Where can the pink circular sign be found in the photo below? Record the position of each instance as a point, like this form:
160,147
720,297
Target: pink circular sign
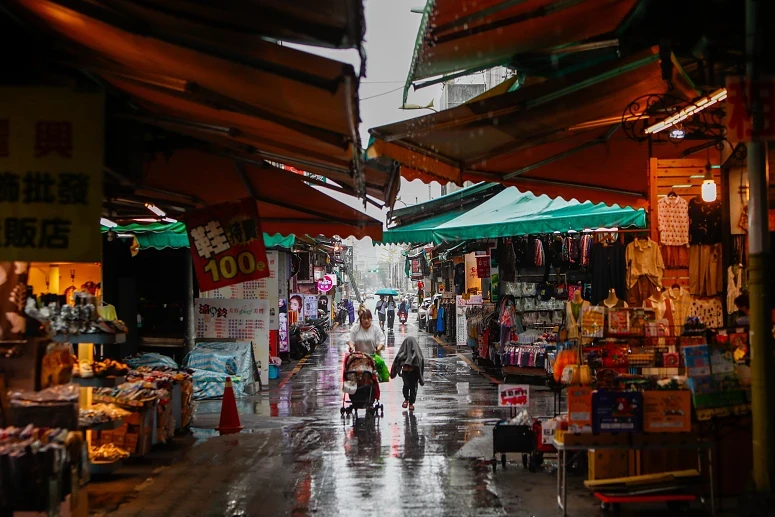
325,284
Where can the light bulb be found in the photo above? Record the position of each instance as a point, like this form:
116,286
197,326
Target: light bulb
709,191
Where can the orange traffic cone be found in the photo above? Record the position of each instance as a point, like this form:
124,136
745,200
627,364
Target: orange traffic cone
229,423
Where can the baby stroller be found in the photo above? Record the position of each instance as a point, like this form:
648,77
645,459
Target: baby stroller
360,381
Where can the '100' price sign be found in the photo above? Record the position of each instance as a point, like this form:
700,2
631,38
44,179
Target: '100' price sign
227,244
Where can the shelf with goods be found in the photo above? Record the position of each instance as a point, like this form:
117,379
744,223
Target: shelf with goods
520,333
648,386
41,440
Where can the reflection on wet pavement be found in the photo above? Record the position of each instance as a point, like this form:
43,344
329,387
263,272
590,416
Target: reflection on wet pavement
297,456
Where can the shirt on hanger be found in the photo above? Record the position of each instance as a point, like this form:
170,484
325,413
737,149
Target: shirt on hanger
673,219
704,222
681,301
644,258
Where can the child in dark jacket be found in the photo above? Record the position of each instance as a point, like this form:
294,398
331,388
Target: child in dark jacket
409,364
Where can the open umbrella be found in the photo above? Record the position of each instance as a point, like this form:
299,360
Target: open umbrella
386,292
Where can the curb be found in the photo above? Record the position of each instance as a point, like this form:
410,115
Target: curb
466,360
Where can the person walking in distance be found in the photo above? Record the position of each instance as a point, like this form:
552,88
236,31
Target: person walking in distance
409,364
381,309
433,313
391,312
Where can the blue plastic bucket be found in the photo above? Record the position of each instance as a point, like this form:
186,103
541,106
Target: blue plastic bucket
274,371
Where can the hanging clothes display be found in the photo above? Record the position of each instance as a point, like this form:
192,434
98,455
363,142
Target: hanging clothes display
681,303
507,261
673,219
608,265
645,269
573,317
705,270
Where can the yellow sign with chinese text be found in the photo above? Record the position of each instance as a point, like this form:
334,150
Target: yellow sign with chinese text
51,159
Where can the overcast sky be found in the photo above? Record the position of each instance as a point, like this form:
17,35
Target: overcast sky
391,30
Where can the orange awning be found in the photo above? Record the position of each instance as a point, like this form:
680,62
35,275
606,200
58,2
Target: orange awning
286,203
560,137
191,75
325,23
458,35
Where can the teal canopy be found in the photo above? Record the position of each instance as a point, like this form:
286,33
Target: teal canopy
418,232
513,213
159,236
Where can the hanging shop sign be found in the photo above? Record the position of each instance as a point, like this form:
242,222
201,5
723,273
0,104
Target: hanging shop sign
514,395
416,269
227,244
483,266
326,283
51,160
738,118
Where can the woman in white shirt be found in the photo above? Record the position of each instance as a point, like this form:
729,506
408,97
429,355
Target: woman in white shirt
365,337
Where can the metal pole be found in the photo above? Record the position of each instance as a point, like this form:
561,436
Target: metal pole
189,318
762,380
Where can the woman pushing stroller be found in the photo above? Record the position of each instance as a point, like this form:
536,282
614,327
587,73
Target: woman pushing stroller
409,364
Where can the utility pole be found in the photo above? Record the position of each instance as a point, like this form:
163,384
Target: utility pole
762,379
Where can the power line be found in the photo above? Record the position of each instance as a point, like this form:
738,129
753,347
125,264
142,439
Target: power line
383,93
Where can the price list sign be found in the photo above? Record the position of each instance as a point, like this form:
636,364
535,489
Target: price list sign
227,244
243,320
51,159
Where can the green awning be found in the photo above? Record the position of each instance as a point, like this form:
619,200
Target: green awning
419,232
513,213
159,236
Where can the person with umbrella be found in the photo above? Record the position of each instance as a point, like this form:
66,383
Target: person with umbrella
391,312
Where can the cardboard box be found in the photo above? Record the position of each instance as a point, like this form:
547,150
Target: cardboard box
579,409
617,412
130,442
608,464
667,411
134,419
106,437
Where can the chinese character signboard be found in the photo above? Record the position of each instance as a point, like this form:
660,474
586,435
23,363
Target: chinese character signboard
51,159
326,283
243,320
227,244
483,266
738,118
513,395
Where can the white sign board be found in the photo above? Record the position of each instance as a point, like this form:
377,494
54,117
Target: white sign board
514,395
243,320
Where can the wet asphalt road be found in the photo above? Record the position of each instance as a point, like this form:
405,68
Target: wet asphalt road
298,457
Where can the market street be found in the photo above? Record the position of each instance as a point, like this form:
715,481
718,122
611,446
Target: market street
297,456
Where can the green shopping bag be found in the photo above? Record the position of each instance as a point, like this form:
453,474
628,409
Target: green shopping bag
383,374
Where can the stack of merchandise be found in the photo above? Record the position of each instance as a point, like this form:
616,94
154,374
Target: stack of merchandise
100,414
107,453
82,317
104,368
56,406
31,458
135,394
176,381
